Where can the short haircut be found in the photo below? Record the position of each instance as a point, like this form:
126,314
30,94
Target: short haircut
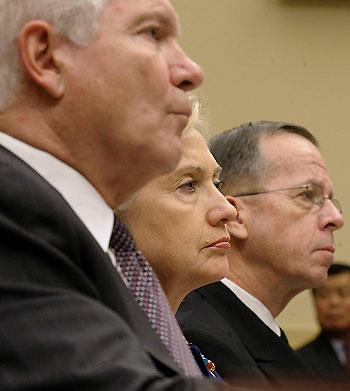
334,270
75,20
238,152
338,268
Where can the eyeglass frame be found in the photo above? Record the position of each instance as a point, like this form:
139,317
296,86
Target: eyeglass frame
306,186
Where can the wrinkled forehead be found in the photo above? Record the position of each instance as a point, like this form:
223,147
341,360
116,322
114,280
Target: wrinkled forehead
136,11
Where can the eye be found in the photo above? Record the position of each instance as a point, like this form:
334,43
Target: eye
322,294
308,194
189,186
153,32
344,292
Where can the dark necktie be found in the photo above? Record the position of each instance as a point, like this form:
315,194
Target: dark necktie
149,294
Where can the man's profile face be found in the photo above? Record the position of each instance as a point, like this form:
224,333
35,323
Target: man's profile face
332,303
132,83
289,234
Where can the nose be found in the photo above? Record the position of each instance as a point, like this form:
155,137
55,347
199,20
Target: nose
333,299
222,211
332,218
184,72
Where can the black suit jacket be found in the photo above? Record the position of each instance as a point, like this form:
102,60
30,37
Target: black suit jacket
67,321
319,355
238,342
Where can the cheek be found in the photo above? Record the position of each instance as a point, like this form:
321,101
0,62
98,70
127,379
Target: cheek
296,241
321,309
149,76
346,307
176,249
160,231
347,319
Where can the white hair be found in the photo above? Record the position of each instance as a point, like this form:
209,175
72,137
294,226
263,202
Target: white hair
76,20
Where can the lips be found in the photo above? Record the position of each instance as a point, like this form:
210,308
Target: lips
183,107
223,243
331,249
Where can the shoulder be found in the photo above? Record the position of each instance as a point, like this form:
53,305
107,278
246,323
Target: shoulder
43,242
196,307
319,342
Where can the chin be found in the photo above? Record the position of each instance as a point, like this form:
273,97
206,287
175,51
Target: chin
318,279
221,270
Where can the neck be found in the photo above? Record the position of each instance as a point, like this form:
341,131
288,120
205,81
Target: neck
43,131
260,282
31,127
174,289
175,302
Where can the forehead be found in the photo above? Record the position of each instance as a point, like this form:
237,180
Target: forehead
195,152
132,12
337,280
196,161
293,160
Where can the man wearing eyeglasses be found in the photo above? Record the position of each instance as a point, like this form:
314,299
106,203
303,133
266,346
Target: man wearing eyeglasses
329,353
282,243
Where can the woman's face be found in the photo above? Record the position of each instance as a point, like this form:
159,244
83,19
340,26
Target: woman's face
178,220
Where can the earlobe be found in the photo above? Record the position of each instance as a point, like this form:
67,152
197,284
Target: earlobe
237,228
37,43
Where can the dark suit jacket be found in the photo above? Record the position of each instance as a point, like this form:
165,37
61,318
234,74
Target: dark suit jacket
319,355
67,321
238,342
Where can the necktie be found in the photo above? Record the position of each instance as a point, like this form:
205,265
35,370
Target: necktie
149,294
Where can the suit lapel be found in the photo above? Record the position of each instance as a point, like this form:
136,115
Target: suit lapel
97,267
264,346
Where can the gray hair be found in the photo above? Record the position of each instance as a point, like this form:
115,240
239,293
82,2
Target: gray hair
238,152
76,20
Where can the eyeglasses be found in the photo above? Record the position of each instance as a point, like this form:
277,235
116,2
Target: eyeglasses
310,192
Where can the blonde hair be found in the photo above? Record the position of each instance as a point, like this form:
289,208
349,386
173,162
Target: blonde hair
197,120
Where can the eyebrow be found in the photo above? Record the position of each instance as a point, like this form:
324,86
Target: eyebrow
315,182
190,168
166,18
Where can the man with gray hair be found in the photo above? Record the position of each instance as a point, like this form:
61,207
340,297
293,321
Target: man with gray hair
282,243
93,100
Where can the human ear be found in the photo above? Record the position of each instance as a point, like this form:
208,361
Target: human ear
237,228
38,45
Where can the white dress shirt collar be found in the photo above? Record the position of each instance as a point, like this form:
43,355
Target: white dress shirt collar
82,197
254,305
